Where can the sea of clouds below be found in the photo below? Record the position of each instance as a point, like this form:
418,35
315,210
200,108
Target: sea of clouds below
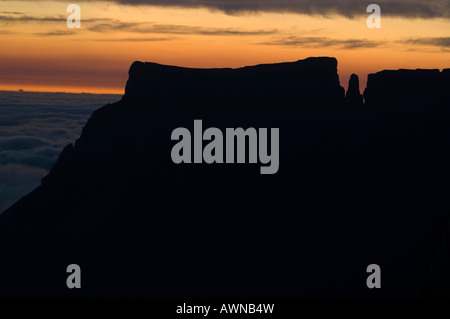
34,128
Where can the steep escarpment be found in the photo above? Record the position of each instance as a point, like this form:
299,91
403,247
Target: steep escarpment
354,187
422,98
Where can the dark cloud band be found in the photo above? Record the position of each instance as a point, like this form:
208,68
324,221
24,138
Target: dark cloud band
321,42
443,42
347,8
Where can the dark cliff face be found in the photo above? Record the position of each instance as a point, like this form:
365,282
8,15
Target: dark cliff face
353,96
409,88
313,81
353,188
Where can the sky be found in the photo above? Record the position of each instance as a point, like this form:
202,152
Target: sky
40,53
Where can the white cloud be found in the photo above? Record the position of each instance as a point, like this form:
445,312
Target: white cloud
34,128
17,180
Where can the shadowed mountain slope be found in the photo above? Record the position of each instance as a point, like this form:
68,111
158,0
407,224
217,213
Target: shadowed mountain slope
357,185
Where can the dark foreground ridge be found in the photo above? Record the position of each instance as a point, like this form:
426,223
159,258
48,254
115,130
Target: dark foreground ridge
357,185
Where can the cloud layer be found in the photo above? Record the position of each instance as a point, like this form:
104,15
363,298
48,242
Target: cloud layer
146,28
17,180
34,127
347,8
324,42
442,42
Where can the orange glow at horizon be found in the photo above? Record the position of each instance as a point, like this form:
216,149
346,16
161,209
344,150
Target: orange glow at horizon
45,55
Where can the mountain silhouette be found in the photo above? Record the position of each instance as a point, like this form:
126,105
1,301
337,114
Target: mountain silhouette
353,96
356,186
408,88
